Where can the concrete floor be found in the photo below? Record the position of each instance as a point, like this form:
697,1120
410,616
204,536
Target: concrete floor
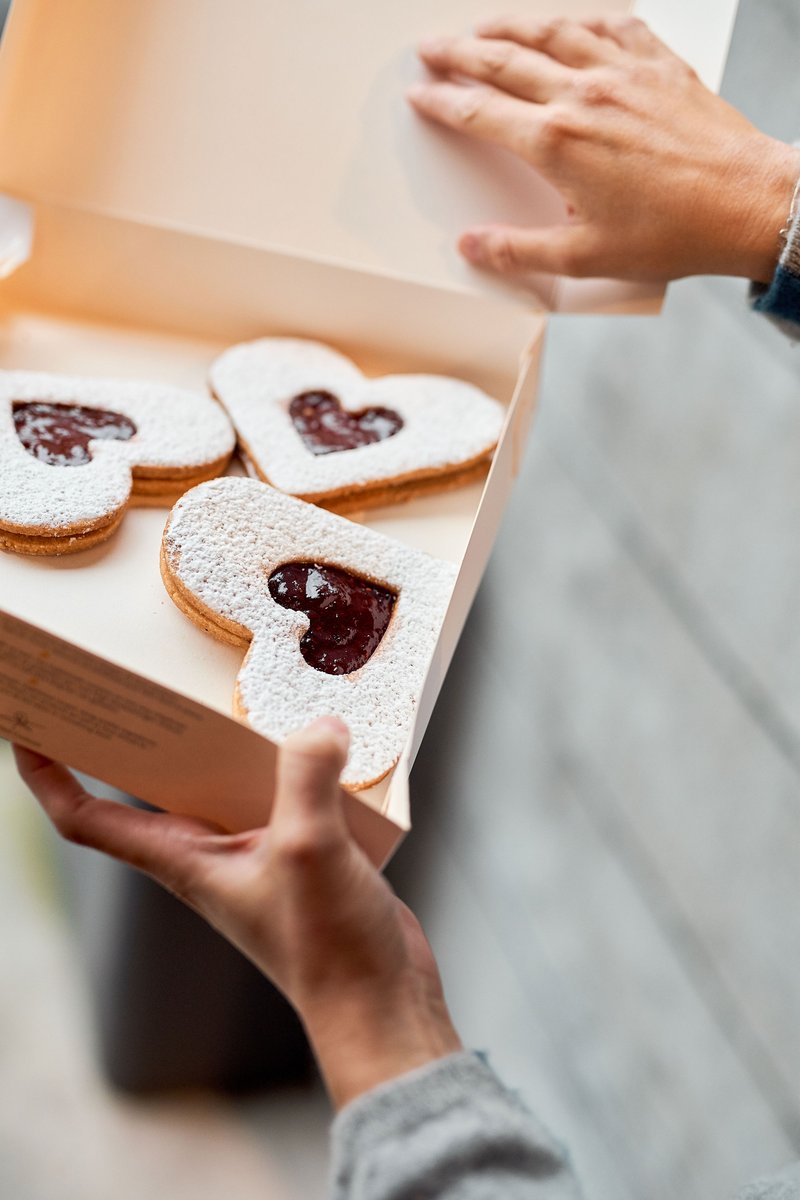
607,804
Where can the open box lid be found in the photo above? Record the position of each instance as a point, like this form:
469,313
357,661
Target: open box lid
283,125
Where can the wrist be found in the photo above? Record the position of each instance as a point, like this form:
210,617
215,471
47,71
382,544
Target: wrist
766,188
371,1037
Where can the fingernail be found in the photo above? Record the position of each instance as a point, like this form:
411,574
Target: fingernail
471,246
431,46
334,726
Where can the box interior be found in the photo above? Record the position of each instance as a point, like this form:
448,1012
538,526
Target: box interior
101,296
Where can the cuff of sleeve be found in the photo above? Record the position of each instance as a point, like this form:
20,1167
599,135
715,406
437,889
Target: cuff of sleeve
448,1109
427,1091
780,299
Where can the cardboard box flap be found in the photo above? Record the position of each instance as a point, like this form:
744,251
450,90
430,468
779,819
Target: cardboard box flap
281,125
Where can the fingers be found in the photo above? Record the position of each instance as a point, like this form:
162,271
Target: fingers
512,68
58,792
166,847
566,41
481,111
554,250
307,805
629,33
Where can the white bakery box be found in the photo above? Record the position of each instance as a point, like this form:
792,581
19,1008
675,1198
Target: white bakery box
196,174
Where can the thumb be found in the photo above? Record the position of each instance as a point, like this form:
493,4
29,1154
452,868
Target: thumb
509,250
307,780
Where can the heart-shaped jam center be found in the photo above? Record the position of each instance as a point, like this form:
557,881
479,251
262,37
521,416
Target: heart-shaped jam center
326,428
348,615
59,434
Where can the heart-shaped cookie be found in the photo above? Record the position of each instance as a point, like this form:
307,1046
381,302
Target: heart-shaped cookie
312,425
75,452
338,620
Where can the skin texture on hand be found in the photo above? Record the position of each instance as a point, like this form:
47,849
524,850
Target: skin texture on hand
298,897
661,177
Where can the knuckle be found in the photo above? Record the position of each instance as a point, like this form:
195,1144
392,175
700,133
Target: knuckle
303,847
595,90
553,27
469,107
504,254
298,851
672,72
496,57
70,828
621,25
643,74
69,821
555,129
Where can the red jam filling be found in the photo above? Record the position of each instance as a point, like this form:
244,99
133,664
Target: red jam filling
59,434
348,615
326,428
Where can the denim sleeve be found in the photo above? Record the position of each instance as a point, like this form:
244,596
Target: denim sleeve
780,299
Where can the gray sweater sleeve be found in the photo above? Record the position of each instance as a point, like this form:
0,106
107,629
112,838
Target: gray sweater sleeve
448,1131
452,1131
785,1186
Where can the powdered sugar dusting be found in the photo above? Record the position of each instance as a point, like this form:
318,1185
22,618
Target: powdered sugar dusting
446,423
176,430
223,540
